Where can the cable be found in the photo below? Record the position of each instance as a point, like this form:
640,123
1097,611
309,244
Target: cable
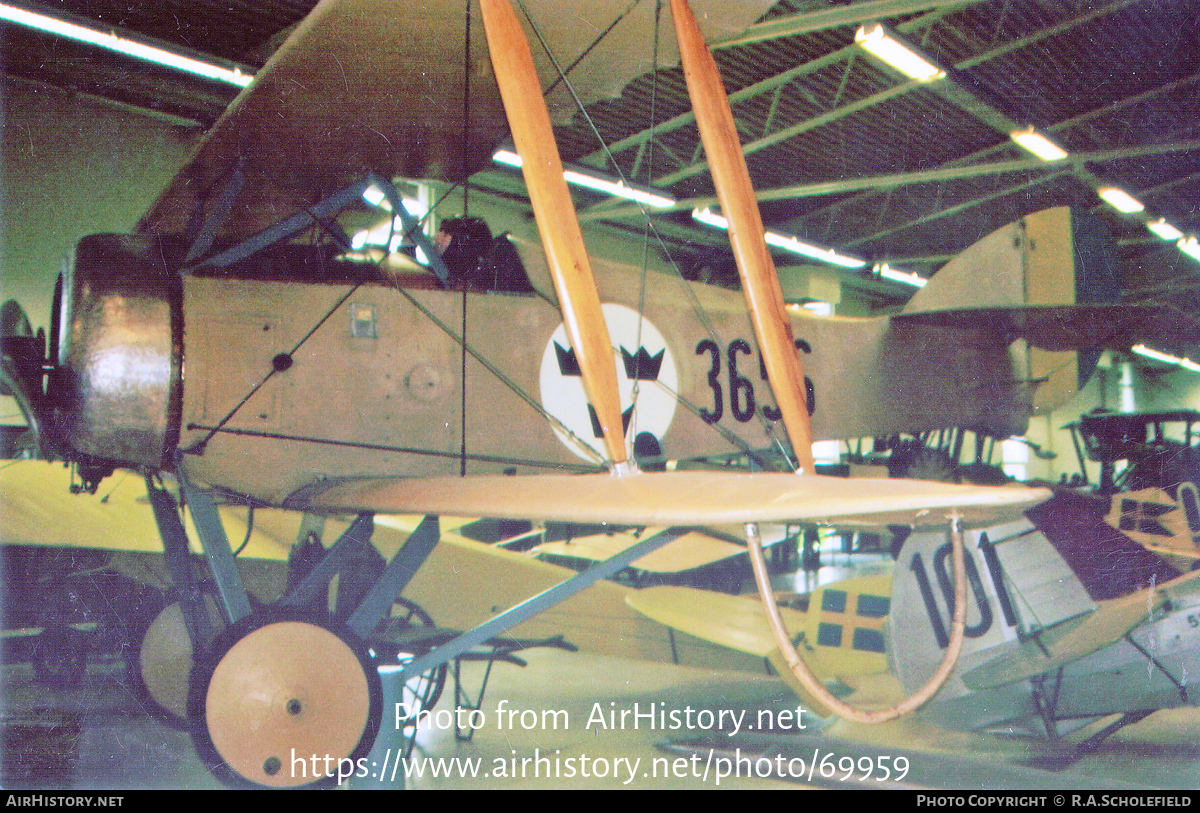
810,681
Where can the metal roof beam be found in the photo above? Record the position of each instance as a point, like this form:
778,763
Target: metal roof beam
959,207
1007,146
853,14
971,104
898,179
752,91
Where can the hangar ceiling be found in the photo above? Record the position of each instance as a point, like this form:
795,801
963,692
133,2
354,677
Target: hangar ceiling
845,152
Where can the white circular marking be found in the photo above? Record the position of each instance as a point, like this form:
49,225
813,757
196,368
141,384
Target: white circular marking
637,344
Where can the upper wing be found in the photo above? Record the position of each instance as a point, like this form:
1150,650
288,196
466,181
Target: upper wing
372,85
673,499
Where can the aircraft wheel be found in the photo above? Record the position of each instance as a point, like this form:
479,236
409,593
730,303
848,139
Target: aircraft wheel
285,703
165,660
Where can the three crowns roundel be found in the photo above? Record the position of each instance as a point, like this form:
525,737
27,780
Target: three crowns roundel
644,363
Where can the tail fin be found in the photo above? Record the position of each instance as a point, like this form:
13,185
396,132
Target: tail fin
1055,257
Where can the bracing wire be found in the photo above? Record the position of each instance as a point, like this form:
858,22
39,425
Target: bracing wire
697,307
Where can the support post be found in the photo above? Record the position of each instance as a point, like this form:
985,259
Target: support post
319,577
532,606
178,558
235,603
377,603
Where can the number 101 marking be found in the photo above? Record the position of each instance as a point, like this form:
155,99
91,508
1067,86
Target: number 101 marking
946,582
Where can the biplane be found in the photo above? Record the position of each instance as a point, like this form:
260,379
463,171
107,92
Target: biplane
214,349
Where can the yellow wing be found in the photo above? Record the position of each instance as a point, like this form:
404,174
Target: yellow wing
840,637
1074,638
690,550
38,508
841,632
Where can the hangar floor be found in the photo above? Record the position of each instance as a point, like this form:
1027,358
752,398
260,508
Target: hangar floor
99,737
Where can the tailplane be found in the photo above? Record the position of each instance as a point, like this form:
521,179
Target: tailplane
1049,284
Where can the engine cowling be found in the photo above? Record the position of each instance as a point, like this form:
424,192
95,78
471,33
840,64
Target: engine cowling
116,391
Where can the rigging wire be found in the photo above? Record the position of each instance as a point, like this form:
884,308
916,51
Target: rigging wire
466,136
494,370
637,381
697,307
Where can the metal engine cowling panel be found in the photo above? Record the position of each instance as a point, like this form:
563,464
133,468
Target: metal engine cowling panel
117,390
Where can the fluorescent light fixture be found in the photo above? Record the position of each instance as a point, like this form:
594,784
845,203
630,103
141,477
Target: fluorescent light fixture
887,272
1158,355
827,255
707,217
785,242
1190,247
1038,144
815,306
1164,229
123,45
876,39
1120,200
618,189
374,196
507,157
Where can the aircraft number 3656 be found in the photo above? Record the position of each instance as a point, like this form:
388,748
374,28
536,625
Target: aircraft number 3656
741,398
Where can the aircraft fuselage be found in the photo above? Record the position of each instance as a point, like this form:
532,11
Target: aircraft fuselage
383,378
263,387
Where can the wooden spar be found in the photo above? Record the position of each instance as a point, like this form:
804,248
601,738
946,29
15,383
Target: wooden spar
736,194
562,240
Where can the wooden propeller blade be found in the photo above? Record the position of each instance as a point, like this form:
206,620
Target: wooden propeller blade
736,194
556,220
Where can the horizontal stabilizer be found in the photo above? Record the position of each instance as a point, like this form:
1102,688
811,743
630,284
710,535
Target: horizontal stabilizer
1069,327
1072,639
674,499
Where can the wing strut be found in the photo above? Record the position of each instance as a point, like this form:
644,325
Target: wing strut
555,214
736,194
784,368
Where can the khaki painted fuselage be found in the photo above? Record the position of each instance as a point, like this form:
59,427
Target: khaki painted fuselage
378,388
